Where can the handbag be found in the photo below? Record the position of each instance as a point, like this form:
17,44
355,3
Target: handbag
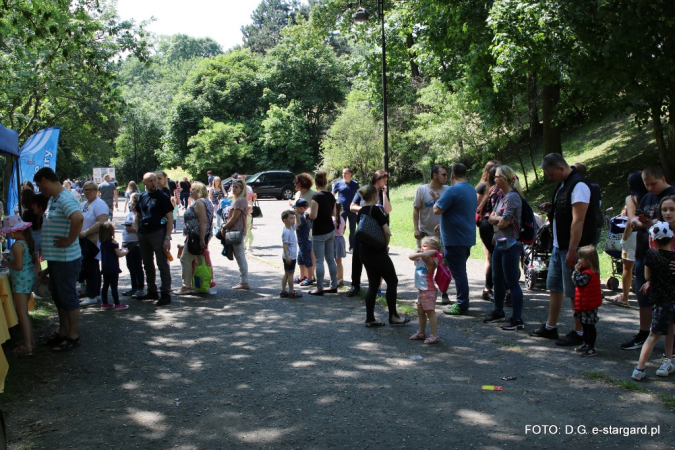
257,212
370,232
201,277
193,245
233,237
443,275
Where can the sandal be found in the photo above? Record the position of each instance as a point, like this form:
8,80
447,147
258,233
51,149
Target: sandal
418,336
67,344
54,339
618,301
402,322
299,280
375,324
432,340
183,291
294,294
306,282
283,294
23,350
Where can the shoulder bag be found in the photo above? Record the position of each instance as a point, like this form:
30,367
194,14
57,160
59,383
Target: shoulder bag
370,232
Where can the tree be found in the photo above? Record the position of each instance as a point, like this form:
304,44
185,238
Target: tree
286,139
269,18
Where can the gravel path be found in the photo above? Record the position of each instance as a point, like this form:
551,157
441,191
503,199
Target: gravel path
250,370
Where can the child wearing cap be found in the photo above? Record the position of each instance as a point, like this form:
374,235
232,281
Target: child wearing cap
22,277
304,243
661,286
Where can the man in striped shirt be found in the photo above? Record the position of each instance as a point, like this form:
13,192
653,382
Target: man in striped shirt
60,247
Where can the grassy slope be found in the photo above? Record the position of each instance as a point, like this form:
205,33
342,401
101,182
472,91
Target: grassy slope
609,148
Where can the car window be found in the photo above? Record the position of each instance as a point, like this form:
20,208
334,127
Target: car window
253,178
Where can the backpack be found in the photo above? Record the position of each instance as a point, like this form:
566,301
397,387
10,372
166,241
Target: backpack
528,224
443,275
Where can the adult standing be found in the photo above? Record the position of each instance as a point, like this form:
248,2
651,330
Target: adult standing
345,190
487,195
573,219
198,221
215,194
132,188
69,185
377,262
379,182
209,177
60,231
646,216
94,212
184,192
637,190
154,222
236,221
506,219
323,234
425,222
457,207
108,191
303,188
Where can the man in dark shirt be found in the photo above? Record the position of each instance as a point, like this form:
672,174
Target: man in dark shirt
154,222
184,192
646,216
345,190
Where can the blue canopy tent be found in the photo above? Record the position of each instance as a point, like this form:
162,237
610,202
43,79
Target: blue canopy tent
9,145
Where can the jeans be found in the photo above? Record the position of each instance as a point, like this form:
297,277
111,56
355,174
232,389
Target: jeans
240,256
184,196
152,245
559,277
456,256
379,266
324,248
506,273
351,216
487,231
135,266
110,280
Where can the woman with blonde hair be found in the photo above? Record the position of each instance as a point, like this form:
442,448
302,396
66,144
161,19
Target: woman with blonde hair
216,193
132,188
237,222
506,219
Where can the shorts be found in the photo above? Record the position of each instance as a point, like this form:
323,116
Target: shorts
427,299
587,317
289,267
339,244
559,278
662,316
628,247
64,291
305,254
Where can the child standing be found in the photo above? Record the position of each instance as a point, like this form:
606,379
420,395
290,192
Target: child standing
110,255
426,263
22,277
248,239
661,284
130,242
587,296
176,207
304,243
339,242
289,255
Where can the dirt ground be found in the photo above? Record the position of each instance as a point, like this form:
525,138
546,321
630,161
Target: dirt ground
251,370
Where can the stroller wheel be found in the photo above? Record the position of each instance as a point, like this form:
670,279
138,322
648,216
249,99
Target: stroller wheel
612,284
530,279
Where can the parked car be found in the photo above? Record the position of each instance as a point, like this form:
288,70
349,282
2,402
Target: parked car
273,183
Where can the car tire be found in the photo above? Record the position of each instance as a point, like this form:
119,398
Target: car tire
286,193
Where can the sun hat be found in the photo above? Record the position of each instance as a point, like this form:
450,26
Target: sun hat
14,223
660,230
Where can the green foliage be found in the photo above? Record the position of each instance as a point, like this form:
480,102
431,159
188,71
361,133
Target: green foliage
217,144
286,139
269,18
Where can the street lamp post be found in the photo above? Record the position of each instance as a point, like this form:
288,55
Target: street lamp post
362,16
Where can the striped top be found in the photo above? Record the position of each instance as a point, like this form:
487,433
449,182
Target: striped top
56,223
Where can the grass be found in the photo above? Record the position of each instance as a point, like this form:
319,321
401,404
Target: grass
667,399
610,149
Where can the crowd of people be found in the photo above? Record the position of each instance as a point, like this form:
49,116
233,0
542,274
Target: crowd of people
77,240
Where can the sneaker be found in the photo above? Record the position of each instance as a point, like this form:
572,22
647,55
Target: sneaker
581,348
638,374
141,295
445,300
120,307
667,367
283,294
306,282
514,325
88,301
589,351
454,310
379,293
570,340
165,299
494,317
354,291
106,305
544,332
635,343
129,293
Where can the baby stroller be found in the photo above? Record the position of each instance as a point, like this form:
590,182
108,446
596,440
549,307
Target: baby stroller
615,228
537,256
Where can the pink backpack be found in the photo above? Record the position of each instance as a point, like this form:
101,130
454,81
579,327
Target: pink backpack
443,276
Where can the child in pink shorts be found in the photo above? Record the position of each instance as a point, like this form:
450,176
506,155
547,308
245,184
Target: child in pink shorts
426,262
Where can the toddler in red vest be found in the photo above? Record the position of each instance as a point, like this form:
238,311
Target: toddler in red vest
587,296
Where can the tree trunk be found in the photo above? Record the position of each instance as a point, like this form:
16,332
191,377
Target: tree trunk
534,166
532,110
414,68
551,97
668,158
522,167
